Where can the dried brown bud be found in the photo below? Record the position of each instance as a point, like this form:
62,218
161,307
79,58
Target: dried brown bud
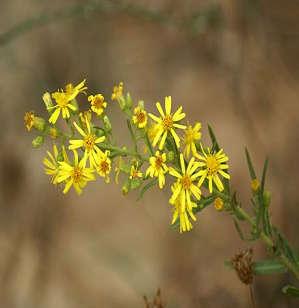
242,263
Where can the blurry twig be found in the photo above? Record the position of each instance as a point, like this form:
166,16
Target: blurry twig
196,23
157,302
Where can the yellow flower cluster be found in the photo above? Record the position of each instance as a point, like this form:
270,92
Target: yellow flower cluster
90,138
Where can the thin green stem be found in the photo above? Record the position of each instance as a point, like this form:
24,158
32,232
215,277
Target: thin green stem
148,143
132,135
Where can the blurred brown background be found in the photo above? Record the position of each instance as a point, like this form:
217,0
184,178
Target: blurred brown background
233,64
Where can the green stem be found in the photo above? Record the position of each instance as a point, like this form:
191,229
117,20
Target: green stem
132,135
147,141
121,152
268,241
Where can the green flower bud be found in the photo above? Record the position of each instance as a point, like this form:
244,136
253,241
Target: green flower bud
267,198
125,188
129,102
38,141
39,124
48,101
99,131
107,123
141,104
170,156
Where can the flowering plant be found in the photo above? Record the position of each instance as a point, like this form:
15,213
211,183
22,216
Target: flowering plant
167,151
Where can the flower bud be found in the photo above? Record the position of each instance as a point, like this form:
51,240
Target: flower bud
39,124
218,204
255,185
267,198
48,101
170,156
129,102
107,123
141,104
53,132
38,141
125,188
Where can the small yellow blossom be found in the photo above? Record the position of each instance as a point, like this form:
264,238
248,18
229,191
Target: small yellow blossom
140,117
64,101
192,134
51,164
117,91
157,168
135,173
152,131
29,120
218,204
89,142
182,212
75,174
185,188
103,165
167,123
213,164
255,185
97,103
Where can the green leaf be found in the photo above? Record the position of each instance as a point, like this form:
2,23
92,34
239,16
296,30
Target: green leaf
250,165
146,187
264,175
213,139
269,267
290,290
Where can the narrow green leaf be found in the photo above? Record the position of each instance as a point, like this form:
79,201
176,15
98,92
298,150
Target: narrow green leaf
146,187
268,267
213,139
264,175
250,165
290,290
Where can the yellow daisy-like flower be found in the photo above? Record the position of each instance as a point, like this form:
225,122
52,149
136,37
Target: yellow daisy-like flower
89,142
51,164
135,173
183,213
103,165
75,174
186,187
97,103
64,101
29,120
157,168
167,123
117,91
213,164
140,117
192,134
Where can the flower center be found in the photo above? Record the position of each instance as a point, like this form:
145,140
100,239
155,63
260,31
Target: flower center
98,102
104,166
212,165
159,162
186,182
140,117
167,122
77,174
89,142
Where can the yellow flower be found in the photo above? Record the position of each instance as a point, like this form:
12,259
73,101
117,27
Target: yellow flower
255,185
97,103
75,174
64,101
213,164
140,117
218,204
152,131
185,188
103,165
157,168
89,142
117,91
167,123
192,134
135,173
29,120
184,214
52,165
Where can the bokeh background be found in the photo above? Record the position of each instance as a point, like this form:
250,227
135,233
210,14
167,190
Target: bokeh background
231,63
